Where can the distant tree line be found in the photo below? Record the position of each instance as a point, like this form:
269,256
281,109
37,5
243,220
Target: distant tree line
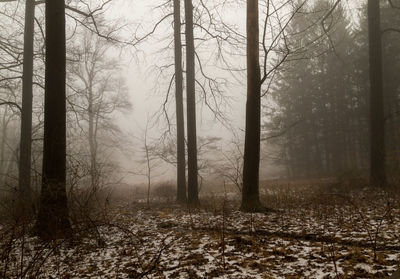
321,109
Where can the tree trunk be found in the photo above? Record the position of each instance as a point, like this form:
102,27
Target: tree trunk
4,135
92,140
53,219
148,172
250,193
180,122
377,122
26,115
193,192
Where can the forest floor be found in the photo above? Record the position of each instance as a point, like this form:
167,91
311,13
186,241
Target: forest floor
312,235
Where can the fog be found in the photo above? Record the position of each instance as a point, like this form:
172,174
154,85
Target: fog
199,139
148,88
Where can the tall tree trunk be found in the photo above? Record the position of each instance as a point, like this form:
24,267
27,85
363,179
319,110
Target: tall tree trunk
4,135
4,138
180,122
377,121
250,193
26,115
53,219
148,171
92,140
193,192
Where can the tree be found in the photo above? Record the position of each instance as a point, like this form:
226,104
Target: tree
391,47
277,22
180,124
211,29
97,92
229,165
26,113
377,118
52,219
26,73
317,99
250,191
11,72
193,191
8,148
151,161
323,108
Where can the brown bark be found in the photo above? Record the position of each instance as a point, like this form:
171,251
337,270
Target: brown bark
180,122
193,192
377,121
52,220
250,193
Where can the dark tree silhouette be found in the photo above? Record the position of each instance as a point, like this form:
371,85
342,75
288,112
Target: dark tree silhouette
26,113
193,191
377,118
52,220
180,122
250,192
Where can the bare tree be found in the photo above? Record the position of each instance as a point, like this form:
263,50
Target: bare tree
377,118
28,76
250,191
193,191
230,165
96,92
26,114
53,220
205,18
180,124
277,24
150,163
8,149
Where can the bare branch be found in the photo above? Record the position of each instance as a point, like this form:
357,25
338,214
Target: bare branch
393,5
12,104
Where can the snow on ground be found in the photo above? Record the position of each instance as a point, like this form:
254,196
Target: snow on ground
173,242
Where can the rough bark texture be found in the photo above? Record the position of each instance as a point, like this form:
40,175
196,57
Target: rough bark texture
250,192
377,120
193,192
53,219
180,122
26,114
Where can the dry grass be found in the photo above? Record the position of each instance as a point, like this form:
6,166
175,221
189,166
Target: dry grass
323,230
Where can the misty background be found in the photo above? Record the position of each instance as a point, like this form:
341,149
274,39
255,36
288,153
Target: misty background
142,45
